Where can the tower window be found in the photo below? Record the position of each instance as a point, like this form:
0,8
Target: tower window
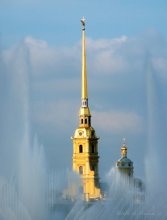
89,121
82,121
92,167
93,149
80,170
80,149
86,121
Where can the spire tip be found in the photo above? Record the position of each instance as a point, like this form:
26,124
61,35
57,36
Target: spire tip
83,23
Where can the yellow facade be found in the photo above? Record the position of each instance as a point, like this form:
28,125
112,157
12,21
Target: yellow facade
85,142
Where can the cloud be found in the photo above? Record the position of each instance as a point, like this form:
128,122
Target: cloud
103,44
117,121
55,114
104,56
52,61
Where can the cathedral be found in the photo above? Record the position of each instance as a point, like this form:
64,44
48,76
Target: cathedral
85,158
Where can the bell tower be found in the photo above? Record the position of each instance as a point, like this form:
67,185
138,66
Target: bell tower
85,142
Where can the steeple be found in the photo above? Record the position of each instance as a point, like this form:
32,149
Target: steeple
85,116
84,92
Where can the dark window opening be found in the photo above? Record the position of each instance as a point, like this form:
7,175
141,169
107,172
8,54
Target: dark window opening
93,149
89,121
81,121
86,121
93,167
80,170
80,149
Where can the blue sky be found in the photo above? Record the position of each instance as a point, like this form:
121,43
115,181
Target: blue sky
57,21
41,54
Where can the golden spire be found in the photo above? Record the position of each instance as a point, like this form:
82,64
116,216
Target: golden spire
84,94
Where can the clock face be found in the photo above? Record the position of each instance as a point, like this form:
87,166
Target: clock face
80,133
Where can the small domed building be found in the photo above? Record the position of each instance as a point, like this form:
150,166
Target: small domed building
124,164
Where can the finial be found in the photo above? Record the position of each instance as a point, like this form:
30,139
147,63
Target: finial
83,23
124,148
124,141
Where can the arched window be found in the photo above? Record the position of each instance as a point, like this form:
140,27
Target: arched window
86,121
80,170
93,149
82,121
80,149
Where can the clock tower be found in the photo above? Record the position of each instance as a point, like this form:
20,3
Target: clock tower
85,142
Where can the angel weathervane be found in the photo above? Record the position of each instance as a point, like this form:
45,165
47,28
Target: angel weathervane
83,23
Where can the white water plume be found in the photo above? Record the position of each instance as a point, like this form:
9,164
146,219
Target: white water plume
23,179
155,160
